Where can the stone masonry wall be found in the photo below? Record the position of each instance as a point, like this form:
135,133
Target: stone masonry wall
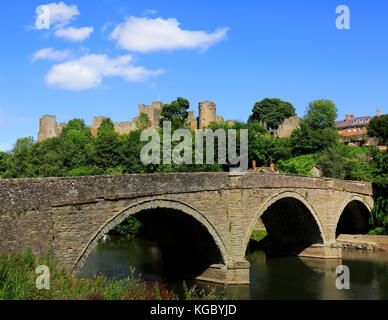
66,215
285,129
48,127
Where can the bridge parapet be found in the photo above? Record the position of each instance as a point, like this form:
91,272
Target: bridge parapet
19,195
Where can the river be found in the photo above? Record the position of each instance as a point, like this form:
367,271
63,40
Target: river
271,277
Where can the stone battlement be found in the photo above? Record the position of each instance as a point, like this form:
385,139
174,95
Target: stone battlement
207,114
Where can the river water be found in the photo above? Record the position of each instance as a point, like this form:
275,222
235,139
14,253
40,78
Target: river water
271,277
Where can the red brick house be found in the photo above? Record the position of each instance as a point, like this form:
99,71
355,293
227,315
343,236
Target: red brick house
354,126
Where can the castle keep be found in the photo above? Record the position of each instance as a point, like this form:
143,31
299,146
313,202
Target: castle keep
48,127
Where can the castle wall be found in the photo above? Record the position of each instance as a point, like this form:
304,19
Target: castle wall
125,127
207,115
231,122
285,129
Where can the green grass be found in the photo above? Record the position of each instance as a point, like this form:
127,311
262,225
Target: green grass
258,235
18,282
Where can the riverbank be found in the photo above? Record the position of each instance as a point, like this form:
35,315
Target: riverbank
363,242
18,282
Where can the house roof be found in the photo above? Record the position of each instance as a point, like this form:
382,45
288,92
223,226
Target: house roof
355,122
263,169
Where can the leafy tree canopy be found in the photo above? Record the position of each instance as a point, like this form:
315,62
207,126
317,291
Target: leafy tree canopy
272,111
3,162
299,165
305,140
176,112
143,121
77,125
321,114
378,127
107,145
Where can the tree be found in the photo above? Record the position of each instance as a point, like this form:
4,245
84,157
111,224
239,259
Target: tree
47,157
107,145
129,151
19,164
305,140
379,218
77,144
379,163
333,164
4,157
143,121
272,111
317,129
378,127
298,165
321,114
76,124
176,112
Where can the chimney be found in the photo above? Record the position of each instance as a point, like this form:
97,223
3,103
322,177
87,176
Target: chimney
272,167
253,165
346,117
378,113
351,117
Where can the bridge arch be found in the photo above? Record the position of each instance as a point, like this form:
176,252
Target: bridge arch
353,216
292,199
148,205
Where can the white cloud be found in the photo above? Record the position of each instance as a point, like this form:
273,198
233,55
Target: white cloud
60,14
51,54
74,34
88,71
150,11
106,26
146,35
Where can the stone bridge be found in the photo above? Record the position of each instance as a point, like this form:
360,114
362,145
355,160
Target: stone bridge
202,221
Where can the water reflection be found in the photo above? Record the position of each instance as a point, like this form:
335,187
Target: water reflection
271,277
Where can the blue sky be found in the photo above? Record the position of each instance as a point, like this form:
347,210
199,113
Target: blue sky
104,57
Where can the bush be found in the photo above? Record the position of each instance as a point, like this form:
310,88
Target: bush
129,227
298,165
258,235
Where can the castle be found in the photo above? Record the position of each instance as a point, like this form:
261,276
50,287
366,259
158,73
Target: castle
48,127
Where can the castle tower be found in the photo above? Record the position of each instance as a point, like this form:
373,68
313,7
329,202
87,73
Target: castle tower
192,120
47,128
97,121
157,107
153,111
207,114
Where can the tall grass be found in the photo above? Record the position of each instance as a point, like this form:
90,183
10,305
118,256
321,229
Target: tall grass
18,282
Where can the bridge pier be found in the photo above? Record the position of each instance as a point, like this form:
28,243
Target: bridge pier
315,250
321,251
227,274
